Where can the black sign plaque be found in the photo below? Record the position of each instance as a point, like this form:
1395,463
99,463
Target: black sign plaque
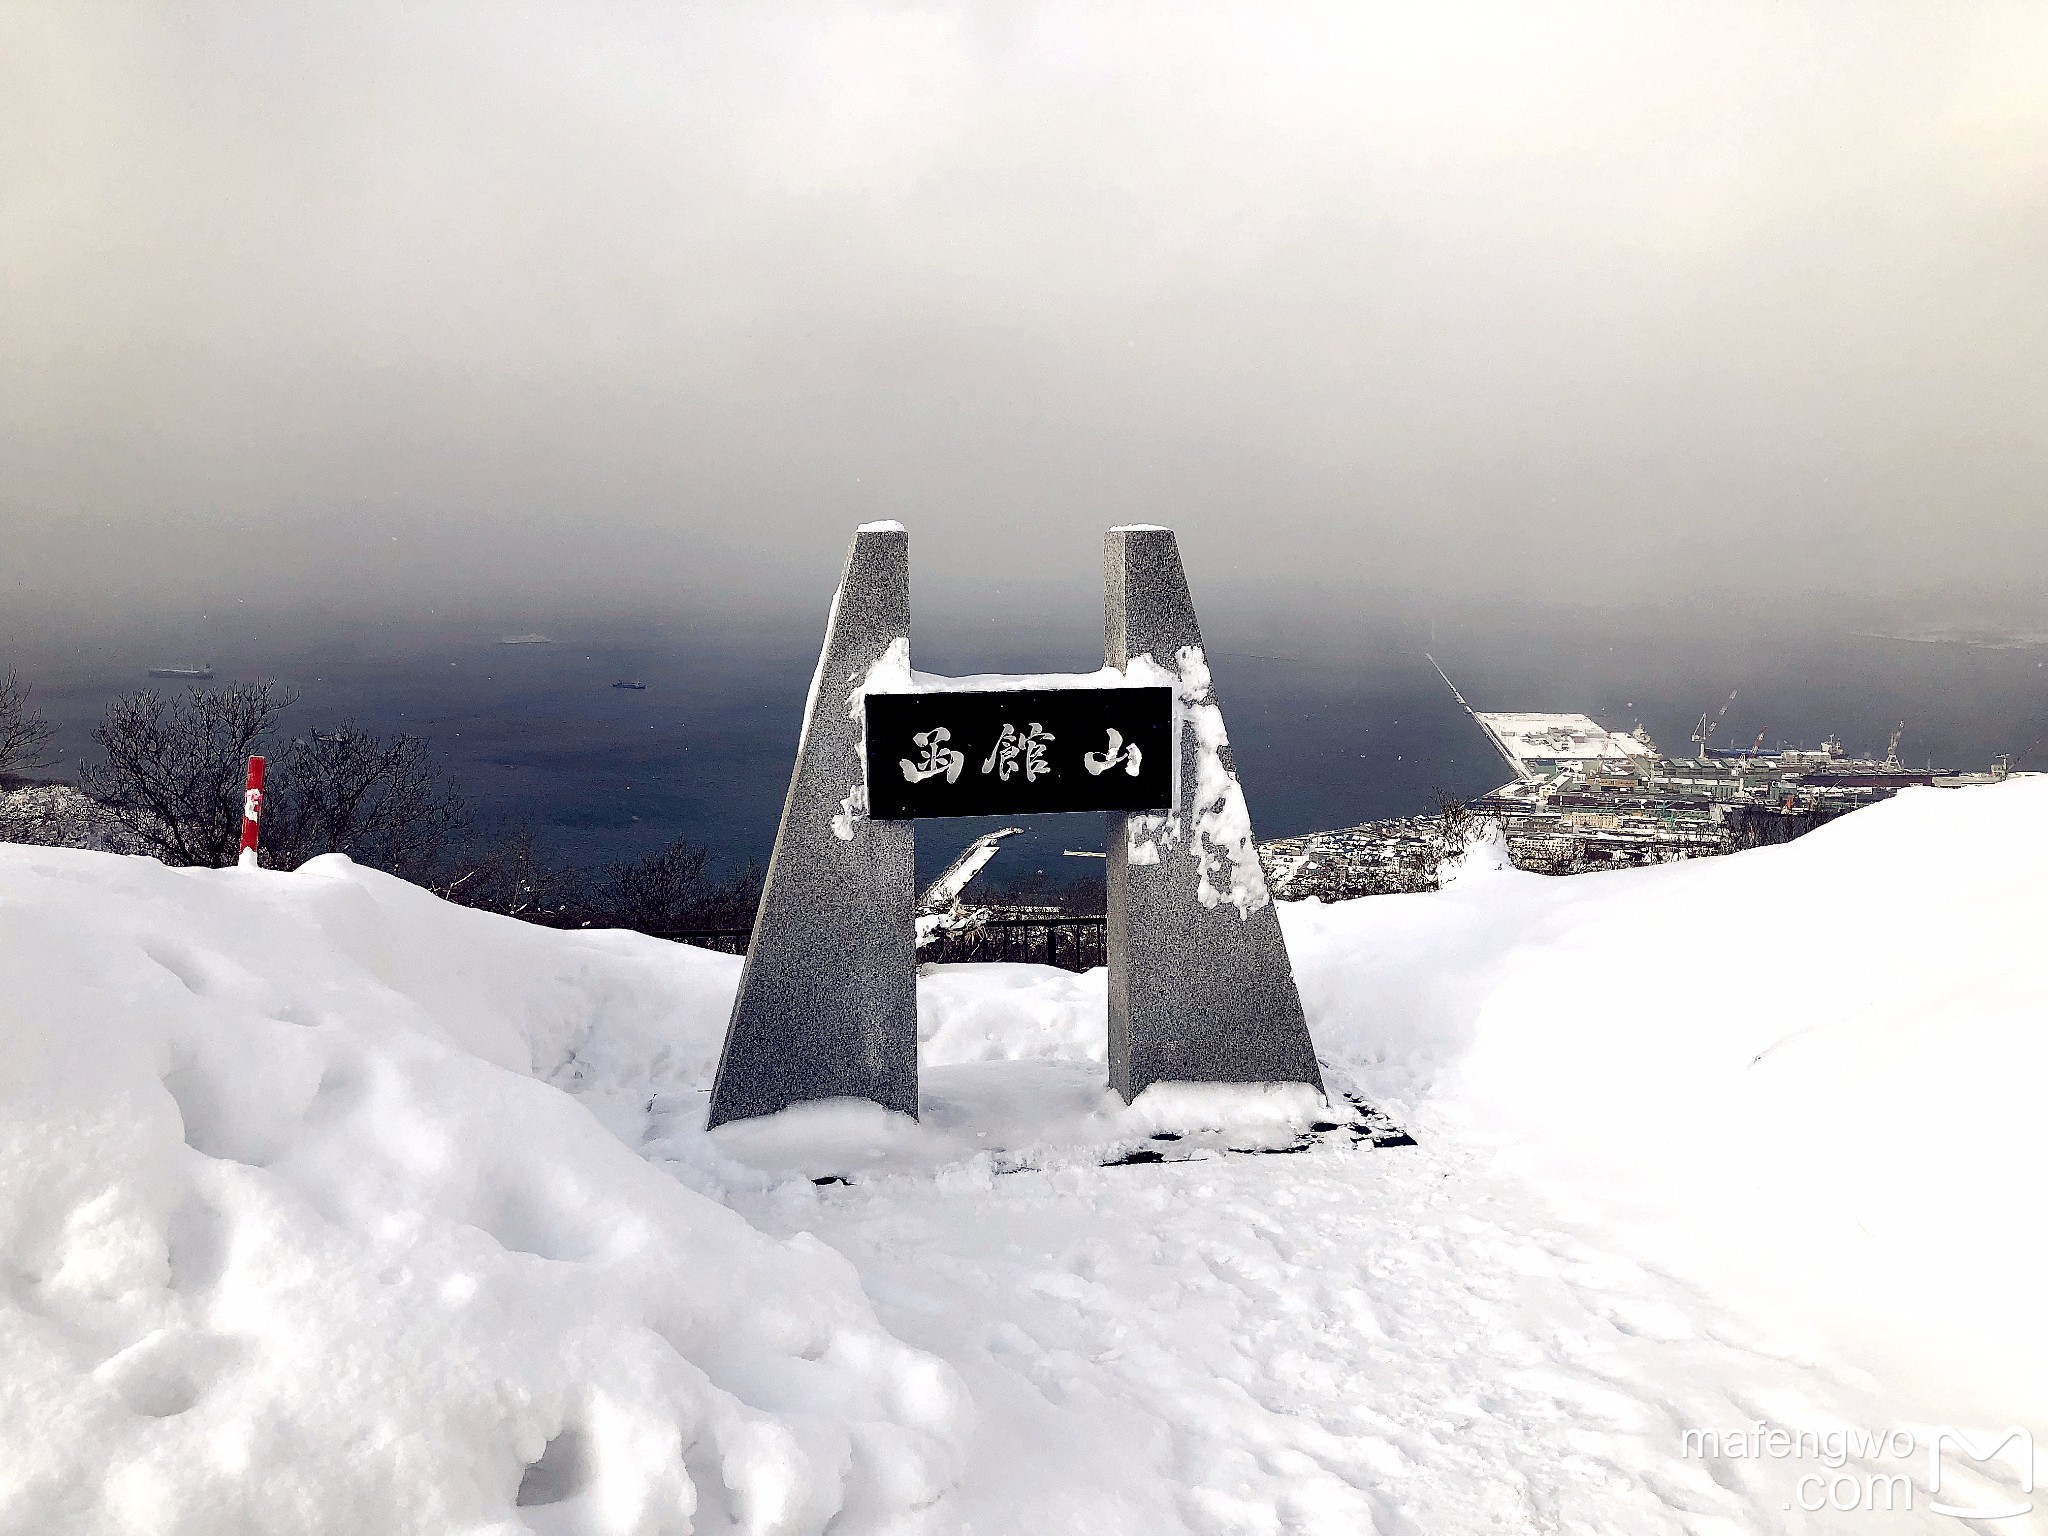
1019,752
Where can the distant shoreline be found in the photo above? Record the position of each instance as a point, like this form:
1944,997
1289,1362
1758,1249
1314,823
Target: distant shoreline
1973,642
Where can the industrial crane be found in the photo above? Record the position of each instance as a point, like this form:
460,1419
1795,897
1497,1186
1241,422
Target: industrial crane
1891,751
1704,731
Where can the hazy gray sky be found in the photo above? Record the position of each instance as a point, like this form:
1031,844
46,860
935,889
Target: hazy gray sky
543,302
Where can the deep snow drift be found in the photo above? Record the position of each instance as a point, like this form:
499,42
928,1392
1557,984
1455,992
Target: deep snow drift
327,1207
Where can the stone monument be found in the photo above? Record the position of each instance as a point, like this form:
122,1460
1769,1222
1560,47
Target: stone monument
1200,986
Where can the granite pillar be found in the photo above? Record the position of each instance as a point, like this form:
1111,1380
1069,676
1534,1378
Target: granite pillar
1201,989
827,1006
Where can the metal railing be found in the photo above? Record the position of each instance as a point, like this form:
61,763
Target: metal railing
1070,943
727,941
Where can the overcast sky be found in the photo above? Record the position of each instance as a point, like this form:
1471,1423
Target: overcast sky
600,303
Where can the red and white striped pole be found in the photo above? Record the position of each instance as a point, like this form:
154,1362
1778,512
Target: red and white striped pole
252,813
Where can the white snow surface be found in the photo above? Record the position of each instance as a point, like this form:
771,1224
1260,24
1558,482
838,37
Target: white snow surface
325,1206
298,1236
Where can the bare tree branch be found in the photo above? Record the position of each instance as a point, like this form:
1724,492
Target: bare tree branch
24,734
173,770
511,873
380,800
669,890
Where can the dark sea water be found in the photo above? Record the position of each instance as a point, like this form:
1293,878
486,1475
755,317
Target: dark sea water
1332,722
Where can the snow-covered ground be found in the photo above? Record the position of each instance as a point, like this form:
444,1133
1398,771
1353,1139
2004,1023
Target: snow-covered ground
325,1206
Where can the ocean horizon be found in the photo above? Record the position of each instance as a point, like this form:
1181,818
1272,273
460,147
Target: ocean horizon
1355,728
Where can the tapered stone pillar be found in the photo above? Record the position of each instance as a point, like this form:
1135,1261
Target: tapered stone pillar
1200,986
827,1006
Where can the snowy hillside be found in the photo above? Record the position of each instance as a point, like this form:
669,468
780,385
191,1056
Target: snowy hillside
325,1206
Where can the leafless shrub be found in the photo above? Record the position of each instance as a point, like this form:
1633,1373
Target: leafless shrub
173,772
1452,824
24,734
1551,856
512,873
671,890
380,800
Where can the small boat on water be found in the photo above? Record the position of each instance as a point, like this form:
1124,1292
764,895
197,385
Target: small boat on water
527,640
635,686
199,673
